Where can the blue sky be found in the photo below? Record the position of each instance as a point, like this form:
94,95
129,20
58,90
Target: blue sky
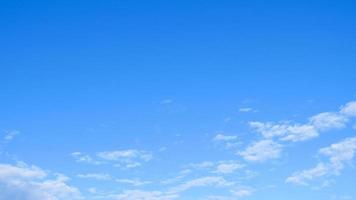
171,100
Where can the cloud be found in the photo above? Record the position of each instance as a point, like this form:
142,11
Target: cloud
129,158
133,182
229,141
215,181
246,109
325,121
302,177
32,183
177,191
143,195
261,151
234,194
328,120
338,155
125,155
349,109
95,176
83,158
202,165
10,135
227,167
285,131
224,138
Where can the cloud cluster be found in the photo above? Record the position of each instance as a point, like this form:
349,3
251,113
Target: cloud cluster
275,133
32,183
338,155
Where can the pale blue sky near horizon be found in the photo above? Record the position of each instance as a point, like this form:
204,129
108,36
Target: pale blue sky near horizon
166,100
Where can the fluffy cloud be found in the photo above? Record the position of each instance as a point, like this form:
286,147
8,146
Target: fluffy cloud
285,131
32,183
349,109
338,155
261,151
328,120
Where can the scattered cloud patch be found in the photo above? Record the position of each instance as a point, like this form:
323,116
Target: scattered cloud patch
224,138
261,151
10,135
26,182
133,182
130,158
246,109
338,154
95,176
349,109
228,167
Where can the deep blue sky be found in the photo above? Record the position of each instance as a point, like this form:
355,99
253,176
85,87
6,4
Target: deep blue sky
165,79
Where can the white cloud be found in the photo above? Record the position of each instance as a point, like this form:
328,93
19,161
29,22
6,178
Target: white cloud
285,131
244,192
130,158
10,135
234,194
32,183
125,154
338,155
261,151
246,109
297,133
227,167
349,109
328,120
177,191
215,181
224,138
202,165
302,177
134,182
316,124
144,195
83,158
95,176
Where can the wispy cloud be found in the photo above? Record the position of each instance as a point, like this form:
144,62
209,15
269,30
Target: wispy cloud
129,158
261,151
95,176
316,124
338,155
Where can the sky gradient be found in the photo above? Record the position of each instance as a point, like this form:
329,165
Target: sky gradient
177,100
